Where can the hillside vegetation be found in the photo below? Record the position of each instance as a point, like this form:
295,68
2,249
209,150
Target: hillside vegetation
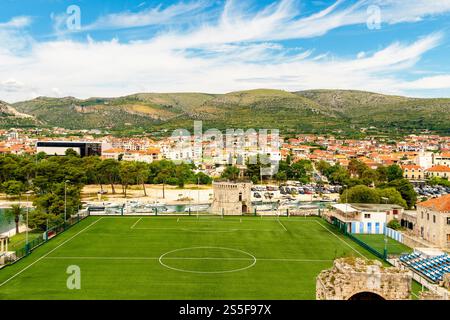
306,111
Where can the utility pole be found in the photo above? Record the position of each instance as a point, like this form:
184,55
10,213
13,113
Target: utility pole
28,193
65,201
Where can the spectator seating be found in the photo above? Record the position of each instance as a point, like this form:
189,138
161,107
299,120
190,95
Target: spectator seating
432,268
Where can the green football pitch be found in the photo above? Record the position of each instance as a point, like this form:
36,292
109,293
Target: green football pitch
377,241
181,258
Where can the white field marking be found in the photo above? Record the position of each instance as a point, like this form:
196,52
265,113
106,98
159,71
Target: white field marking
102,258
132,227
51,251
207,230
282,225
341,240
252,260
188,258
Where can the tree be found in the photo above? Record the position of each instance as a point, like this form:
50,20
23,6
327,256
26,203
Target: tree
357,168
230,173
300,171
370,176
127,174
281,176
13,188
142,174
339,175
393,196
382,173
53,202
40,220
203,178
323,167
394,172
15,211
109,169
360,194
71,153
406,189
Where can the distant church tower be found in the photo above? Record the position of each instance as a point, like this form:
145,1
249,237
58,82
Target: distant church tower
232,198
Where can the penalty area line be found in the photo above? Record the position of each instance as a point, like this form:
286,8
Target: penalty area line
132,227
345,242
48,253
282,225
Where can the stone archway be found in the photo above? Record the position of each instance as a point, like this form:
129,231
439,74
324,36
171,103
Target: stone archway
359,279
366,295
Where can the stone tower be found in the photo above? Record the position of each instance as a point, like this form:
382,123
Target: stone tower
232,198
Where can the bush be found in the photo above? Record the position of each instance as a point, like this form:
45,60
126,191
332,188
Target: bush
394,224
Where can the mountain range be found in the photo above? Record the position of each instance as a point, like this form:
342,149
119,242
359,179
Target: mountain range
316,111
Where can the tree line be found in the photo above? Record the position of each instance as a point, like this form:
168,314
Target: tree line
385,184
49,180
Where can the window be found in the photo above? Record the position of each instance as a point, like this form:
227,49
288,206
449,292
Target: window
240,196
428,216
434,218
367,215
422,215
448,220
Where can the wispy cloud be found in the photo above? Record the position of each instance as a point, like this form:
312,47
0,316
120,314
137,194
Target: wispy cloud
177,13
13,36
16,23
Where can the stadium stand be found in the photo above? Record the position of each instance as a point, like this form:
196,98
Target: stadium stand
432,268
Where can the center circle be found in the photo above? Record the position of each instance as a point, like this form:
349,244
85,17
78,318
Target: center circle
207,260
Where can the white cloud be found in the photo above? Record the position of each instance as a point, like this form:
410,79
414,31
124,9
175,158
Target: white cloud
177,13
16,23
114,69
429,83
240,50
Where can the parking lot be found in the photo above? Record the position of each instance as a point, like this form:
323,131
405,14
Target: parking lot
297,191
432,191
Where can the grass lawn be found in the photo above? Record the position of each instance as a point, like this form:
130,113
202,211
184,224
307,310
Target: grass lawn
18,241
376,241
181,258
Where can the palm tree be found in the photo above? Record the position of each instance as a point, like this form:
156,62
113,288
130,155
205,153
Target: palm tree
15,211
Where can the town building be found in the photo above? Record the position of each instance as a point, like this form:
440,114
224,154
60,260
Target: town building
439,171
364,218
59,148
433,221
413,172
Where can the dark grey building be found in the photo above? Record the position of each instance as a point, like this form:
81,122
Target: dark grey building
59,148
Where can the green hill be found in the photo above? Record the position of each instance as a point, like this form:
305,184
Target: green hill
383,111
306,111
10,117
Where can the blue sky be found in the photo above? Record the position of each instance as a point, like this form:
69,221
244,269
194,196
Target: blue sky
112,48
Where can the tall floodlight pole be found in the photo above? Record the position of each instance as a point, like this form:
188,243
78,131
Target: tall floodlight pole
28,193
346,205
198,192
65,200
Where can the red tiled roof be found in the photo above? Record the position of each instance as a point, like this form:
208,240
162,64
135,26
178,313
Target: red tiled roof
439,169
411,167
441,204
